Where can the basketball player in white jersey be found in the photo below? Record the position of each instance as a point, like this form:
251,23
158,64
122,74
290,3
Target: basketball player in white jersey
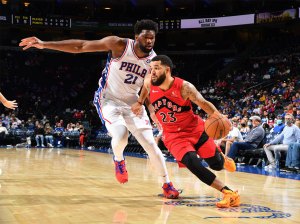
7,103
127,65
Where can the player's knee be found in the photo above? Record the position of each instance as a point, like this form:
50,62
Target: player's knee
191,160
119,141
193,163
216,162
217,166
122,140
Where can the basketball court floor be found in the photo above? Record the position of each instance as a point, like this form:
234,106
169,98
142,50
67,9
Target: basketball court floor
60,186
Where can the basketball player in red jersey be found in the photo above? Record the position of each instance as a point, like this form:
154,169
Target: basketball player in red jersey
7,103
183,131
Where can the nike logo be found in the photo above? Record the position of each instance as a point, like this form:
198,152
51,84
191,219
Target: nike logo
174,94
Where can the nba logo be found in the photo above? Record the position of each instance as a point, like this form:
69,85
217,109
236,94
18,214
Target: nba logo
148,61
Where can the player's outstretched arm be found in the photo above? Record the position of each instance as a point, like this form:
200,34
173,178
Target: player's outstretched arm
110,43
7,103
189,91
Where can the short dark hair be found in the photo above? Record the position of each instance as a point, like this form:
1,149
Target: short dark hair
165,60
145,24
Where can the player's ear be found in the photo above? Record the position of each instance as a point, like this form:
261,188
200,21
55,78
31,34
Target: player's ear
136,37
168,69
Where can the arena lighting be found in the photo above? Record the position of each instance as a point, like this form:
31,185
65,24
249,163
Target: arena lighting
26,4
107,8
4,2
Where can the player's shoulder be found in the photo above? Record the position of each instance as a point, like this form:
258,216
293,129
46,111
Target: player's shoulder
117,41
187,88
187,84
118,45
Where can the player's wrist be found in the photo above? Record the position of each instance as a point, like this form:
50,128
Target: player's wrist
140,102
42,45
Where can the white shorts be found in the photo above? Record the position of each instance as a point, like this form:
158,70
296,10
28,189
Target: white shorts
113,113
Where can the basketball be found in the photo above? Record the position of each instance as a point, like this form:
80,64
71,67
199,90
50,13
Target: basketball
217,126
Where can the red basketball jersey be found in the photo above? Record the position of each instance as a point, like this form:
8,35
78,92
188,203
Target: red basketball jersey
181,127
173,112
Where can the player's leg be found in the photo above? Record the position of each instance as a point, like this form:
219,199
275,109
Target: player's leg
141,129
192,161
216,162
119,140
110,114
208,150
146,140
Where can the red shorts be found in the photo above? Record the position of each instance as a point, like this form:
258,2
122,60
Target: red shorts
180,143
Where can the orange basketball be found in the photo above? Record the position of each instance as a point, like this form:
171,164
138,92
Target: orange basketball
217,126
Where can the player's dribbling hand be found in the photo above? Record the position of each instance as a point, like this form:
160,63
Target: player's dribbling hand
31,42
137,108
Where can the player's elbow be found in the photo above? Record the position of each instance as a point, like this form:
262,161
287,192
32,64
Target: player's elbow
78,49
81,47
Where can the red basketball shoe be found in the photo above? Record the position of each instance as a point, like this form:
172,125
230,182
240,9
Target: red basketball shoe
169,191
121,172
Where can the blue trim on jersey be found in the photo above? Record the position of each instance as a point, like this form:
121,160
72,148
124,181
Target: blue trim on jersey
97,103
104,75
102,83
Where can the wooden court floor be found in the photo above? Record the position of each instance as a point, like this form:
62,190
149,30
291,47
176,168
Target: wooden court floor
76,186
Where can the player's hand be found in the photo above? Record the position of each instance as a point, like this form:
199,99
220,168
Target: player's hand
31,42
216,113
10,104
266,145
137,108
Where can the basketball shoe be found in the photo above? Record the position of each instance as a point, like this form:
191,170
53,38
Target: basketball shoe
230,199
229,164
121,172
169,191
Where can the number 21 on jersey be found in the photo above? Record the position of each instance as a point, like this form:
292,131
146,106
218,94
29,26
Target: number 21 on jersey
131,79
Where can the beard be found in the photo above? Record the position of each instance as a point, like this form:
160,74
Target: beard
144,49
159,80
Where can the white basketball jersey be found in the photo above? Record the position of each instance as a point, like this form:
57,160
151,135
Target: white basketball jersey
123,77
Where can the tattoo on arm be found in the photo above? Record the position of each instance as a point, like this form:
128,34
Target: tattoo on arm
189,91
